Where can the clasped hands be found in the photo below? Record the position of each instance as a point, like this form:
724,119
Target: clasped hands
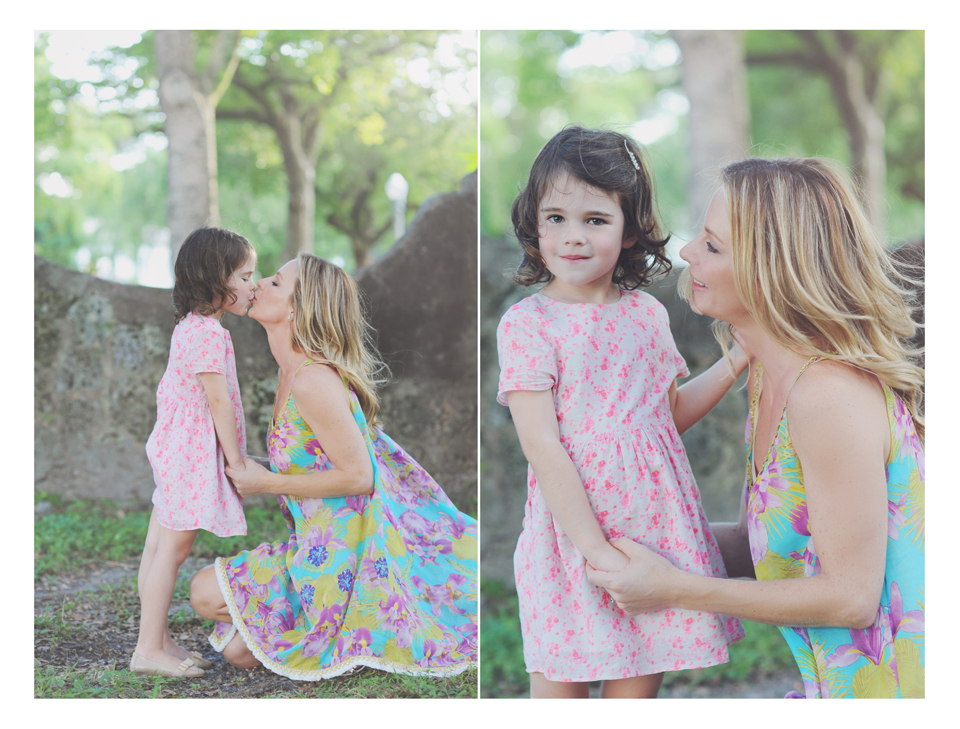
248,478
643,585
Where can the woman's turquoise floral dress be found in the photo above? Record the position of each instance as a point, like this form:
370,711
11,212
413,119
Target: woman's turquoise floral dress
387,581
887,659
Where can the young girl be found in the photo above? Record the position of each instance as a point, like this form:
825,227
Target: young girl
199,430
588,369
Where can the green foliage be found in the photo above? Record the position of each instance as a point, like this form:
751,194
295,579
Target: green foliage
84,532
528,93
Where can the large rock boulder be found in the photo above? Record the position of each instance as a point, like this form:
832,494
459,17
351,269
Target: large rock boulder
100,349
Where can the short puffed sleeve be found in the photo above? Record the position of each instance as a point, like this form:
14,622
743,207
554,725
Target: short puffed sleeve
528,359
672,357
204,345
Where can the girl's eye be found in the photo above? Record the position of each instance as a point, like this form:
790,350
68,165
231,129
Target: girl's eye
711,248
555,218
597,221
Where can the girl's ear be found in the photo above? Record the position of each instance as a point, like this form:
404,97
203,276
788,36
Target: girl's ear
628,241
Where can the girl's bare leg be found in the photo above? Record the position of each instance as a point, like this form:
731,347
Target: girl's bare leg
149,551
638,687
542,688
207,600
156,590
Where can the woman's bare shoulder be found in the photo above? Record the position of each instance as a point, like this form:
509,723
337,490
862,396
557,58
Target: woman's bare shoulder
834,400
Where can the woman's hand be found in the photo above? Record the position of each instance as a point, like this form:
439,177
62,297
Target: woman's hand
250,479
644,585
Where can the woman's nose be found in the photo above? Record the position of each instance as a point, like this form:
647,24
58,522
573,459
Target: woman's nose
685,252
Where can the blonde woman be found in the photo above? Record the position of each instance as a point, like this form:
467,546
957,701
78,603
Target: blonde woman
832,522
379,569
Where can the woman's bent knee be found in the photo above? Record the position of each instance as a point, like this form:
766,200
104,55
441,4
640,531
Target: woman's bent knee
237,654
205,595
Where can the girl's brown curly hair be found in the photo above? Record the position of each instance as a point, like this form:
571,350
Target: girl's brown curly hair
205,263
602,159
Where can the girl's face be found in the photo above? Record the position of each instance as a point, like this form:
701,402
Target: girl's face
581,235
243,286
711,266
272,301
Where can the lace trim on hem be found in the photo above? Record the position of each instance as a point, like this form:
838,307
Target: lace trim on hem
350,664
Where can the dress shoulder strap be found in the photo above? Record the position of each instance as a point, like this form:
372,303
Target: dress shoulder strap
803,369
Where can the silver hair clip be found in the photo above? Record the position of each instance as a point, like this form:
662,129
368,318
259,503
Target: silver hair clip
632,158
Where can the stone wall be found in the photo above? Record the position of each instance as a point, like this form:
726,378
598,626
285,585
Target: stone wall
100,349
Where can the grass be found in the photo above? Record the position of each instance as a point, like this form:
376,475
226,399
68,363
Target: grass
81,637
763,651
78,533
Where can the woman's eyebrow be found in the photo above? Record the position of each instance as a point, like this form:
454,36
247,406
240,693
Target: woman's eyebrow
714,235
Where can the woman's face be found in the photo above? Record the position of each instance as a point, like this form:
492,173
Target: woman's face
710,256
272,301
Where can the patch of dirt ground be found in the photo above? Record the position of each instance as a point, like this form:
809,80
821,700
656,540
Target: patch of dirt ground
93,617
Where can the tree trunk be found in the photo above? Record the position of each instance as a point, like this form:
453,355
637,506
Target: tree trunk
865,127
301,177
192,150
715,82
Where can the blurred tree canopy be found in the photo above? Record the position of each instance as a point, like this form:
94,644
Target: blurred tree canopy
357,106
535,82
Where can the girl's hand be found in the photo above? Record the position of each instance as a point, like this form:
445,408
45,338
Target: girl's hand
610,559
644,585
250,479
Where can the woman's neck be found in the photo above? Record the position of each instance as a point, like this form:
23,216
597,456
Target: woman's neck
780,365
281,347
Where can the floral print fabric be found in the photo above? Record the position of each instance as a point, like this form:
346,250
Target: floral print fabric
387,581
192,489
610,367
885,660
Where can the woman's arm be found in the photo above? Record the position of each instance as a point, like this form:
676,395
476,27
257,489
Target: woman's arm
839,428
323,403
536,422
695,398
224,420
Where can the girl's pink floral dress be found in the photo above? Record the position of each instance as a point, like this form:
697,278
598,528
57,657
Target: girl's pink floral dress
192,489
610,367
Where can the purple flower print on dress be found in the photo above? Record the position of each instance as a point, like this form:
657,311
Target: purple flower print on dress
370,572
868,643
757,534
455,529
420,537
316,546
442,595
909,622
352,505
306,595
361,642
327,625
395,615
345,580
278,456
770,481
896,516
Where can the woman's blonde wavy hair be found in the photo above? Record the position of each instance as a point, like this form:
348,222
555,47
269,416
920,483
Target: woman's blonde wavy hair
811,270
329,324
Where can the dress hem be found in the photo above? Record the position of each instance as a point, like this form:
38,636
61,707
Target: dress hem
350,664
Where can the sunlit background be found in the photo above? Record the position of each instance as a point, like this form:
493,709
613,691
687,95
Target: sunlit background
536,82
101,154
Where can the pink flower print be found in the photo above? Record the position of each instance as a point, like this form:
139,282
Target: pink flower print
799,519
458,528
326,626
352,505
896,516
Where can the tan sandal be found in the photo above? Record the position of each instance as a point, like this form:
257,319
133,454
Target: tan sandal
201,661
145,667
